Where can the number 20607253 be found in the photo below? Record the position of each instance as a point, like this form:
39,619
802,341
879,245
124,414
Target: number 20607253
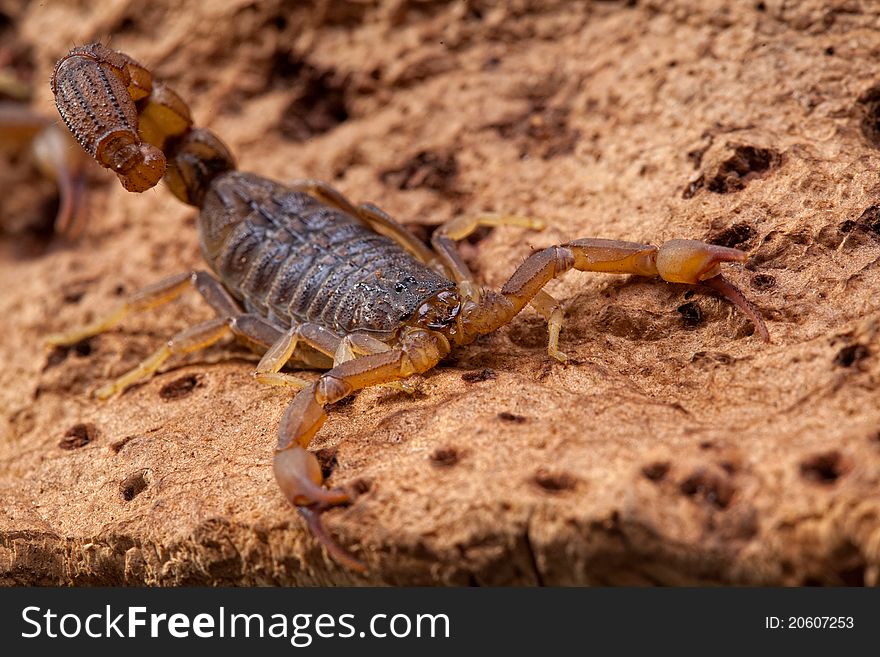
809,622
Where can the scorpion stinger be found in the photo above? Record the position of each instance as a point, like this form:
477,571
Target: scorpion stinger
314,281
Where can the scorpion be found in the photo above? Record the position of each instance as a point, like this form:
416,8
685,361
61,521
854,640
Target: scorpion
311,280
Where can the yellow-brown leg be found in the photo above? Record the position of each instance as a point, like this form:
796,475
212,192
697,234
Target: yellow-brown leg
248,326
192,339
297,471
443,241
551,310
154,296
269,368
444,238
252,328
357,344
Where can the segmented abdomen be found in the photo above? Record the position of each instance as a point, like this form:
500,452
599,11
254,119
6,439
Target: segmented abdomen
293,259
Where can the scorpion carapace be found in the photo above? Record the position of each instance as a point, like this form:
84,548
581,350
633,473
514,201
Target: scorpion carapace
314,280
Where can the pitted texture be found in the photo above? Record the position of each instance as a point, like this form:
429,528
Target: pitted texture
675,448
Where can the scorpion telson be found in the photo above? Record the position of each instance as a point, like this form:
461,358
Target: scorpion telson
314,280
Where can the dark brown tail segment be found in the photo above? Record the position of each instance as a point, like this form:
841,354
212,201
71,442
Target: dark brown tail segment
135,126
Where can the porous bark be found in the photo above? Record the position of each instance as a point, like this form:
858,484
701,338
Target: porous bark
675,448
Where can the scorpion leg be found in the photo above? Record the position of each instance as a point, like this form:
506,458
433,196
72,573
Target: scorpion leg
281,351
444,238
676,261
357,344
297,470
248,326
324,192
458,229
551,310
160,293
192,339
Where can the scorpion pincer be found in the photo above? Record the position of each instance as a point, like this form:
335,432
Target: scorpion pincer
312,279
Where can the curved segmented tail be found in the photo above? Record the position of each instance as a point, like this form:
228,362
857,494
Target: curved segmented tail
134,125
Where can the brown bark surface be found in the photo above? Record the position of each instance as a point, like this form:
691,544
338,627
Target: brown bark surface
676,448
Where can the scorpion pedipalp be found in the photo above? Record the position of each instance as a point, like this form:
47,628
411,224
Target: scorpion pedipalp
733,294
690,261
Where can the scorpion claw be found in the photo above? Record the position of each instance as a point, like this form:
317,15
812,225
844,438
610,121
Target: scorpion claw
738,299
299,476
312,516
690,261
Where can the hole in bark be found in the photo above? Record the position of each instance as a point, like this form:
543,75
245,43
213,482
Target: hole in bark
59,354
824,468
178,388
851,355
327,460
734,236
728,466
83,348
117,446
428,170
507,416
691,314
73,297
445,457
656,471
554,482
870,219
746,164
474,376
79,435
763,282
540,132
711,487
361,486
134,485
868,111
693,186
319,103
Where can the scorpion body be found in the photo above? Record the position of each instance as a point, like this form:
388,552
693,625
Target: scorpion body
311,279
294,260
